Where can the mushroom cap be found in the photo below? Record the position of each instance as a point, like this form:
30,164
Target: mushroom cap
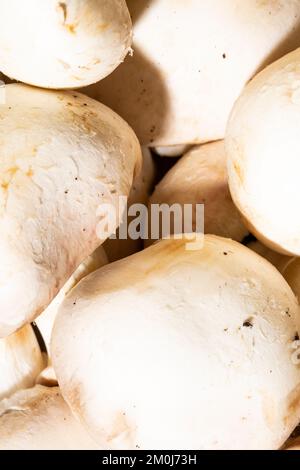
46,320
117,248
172,150
262,146
171,91
66,44
293,444
21,361
200,177
39,419
277,259
174,348
63,156
291,272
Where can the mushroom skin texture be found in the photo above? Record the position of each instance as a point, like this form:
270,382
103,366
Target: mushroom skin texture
39,419
63,156
262,147
142,187
66,44
182,338
200,177
21,361
277,259
173,93
291,272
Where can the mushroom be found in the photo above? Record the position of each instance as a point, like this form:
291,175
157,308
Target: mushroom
200,177
291,272
174,348
293,444
172,151
191,60
66,44
39,419
21,361
262,145
65,160
118,248
277,259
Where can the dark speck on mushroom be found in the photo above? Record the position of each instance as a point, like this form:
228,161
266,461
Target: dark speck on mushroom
248,323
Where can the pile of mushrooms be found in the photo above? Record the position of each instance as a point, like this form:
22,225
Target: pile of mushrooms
185,341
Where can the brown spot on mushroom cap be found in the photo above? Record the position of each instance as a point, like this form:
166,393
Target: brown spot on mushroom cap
293,407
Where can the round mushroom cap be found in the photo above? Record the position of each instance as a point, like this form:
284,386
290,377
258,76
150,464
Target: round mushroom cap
66,44
65,160
118,248
262,145
39,419
174,348
21,361
200,177
191,60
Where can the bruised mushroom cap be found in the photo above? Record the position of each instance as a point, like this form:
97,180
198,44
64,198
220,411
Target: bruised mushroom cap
65,44
171,91
117,248
63,156
197,341
46,320
262,145
21,361
39,419
200,177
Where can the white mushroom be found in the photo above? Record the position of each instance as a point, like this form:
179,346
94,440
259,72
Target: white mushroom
262,144
39,419
174,348
200,177
66,44
117,248
21,361
63,156
172,151
191,60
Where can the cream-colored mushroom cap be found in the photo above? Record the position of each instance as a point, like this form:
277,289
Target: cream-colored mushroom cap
39,419
291,273
277,259
65,44
174,348
118,248
262,146
21,361
200,177
191,60
63,156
